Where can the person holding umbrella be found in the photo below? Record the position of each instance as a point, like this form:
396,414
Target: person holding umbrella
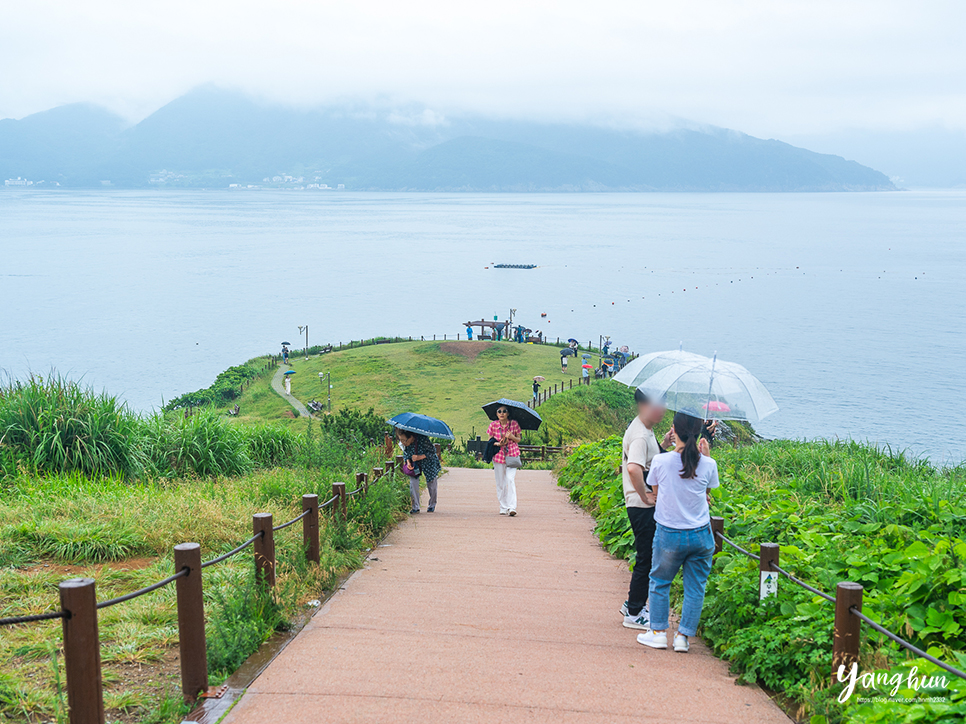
419,454
509,418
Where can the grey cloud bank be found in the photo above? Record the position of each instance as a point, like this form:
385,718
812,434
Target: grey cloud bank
838,74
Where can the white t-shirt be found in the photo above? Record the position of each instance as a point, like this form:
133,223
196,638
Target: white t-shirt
681,502
640,447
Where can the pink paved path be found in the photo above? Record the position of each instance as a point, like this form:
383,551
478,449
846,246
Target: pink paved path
469,616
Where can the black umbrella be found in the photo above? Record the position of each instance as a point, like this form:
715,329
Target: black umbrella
568,352
527,418
286,344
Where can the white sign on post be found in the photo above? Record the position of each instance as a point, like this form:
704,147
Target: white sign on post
769,585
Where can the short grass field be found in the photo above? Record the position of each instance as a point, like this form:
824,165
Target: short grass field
448,380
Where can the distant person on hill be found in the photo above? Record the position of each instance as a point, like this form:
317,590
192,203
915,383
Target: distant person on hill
284,354
683,537
419,458
469,333
563,362
507,434
536,389
288,384
639,448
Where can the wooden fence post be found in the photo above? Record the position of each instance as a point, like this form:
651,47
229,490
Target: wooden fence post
82,651
399,462
717,528
338,489
191,621
767,576
310,527
264,549
845,635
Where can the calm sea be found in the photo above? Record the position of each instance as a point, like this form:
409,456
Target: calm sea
850,307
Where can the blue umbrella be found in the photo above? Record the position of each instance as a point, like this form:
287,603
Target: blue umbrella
567,352
527,418
289,372
422,425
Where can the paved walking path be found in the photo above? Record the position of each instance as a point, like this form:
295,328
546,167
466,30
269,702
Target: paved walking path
468,616
278,384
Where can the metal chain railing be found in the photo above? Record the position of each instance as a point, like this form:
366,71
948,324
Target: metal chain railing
848,604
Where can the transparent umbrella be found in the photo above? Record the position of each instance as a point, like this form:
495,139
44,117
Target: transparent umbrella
703,387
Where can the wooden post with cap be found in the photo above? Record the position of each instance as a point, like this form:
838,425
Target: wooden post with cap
82,651
264,549
310,527
191,621
845,635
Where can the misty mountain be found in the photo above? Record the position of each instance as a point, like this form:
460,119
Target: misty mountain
214,138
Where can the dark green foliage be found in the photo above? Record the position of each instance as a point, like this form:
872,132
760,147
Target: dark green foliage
226,388
840,511
351,425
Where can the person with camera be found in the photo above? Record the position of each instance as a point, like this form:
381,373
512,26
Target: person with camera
419,458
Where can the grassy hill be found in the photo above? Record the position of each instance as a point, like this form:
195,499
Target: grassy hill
448,380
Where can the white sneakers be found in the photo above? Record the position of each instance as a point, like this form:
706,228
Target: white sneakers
653,639
641,621
503,511
658,640
681,644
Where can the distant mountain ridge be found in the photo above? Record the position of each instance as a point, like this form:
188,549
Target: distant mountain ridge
216,138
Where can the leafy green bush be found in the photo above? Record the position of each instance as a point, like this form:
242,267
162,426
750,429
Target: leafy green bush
840,511
350,424
226,388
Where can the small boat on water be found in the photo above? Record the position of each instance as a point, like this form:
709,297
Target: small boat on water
514,266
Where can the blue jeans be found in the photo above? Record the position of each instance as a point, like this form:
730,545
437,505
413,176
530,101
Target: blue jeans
673,549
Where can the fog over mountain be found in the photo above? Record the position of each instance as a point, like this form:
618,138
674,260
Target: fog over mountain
215,138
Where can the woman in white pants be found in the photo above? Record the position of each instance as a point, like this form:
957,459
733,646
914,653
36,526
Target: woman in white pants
507,434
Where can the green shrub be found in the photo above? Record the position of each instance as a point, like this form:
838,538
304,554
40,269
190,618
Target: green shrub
349,424
840,511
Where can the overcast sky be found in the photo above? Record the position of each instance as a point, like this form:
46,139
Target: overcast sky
768,67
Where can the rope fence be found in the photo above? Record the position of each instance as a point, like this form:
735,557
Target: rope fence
848,606
141,591
79,605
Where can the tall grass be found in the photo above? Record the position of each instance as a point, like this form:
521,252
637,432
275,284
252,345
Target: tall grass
203,444
53,424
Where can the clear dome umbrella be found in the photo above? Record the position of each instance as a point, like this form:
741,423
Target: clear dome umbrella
703,387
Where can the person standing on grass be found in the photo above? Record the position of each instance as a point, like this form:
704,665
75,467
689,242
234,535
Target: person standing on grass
639,448
683,537
507,434
419,458
536,389
563,362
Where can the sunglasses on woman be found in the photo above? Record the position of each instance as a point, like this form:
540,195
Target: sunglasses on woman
502,412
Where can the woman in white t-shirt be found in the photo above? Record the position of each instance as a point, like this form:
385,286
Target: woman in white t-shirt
683,537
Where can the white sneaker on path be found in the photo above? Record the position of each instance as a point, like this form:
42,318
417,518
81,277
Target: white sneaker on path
653,639
681,644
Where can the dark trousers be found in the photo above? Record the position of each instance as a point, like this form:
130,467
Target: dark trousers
642,523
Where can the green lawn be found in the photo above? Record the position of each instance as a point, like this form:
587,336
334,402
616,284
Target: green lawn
427,377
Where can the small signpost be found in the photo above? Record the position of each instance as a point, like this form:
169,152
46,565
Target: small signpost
768,583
